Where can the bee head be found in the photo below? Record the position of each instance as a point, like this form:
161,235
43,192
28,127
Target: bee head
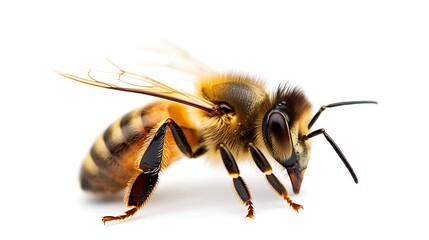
286,119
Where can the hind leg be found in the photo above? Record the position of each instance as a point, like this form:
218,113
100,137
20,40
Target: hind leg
139,189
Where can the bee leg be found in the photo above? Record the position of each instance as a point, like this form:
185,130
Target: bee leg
182,143
140,189
200,151
265,167
239,185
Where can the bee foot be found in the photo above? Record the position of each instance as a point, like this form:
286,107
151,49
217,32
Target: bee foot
296,207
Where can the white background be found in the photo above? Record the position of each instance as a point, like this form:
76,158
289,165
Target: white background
335,50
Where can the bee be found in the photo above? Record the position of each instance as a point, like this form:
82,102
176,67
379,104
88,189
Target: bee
231,118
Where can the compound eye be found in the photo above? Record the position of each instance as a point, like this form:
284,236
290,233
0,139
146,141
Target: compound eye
276,134
277,124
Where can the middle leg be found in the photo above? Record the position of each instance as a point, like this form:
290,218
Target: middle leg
239,185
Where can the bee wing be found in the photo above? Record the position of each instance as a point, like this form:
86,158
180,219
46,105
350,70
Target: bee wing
169,57
139,83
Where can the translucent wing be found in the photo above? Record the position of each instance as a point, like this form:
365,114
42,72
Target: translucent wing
170,57
115,77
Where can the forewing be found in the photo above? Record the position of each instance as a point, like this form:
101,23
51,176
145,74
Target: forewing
167,61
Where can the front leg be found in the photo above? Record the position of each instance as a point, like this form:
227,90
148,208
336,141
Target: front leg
265,167
140,188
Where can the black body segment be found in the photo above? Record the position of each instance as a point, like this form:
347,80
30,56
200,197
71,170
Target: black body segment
228,160
265,167
200,151
140,189
152,157
275,183
239,184
179,138
241,188
259,159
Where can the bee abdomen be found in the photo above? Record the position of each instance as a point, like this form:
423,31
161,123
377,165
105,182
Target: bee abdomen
110,162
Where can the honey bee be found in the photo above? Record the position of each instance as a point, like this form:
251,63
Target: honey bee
232,118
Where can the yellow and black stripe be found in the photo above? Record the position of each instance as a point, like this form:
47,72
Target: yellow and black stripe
110,162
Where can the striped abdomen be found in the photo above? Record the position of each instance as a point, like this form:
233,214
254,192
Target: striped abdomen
111,161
